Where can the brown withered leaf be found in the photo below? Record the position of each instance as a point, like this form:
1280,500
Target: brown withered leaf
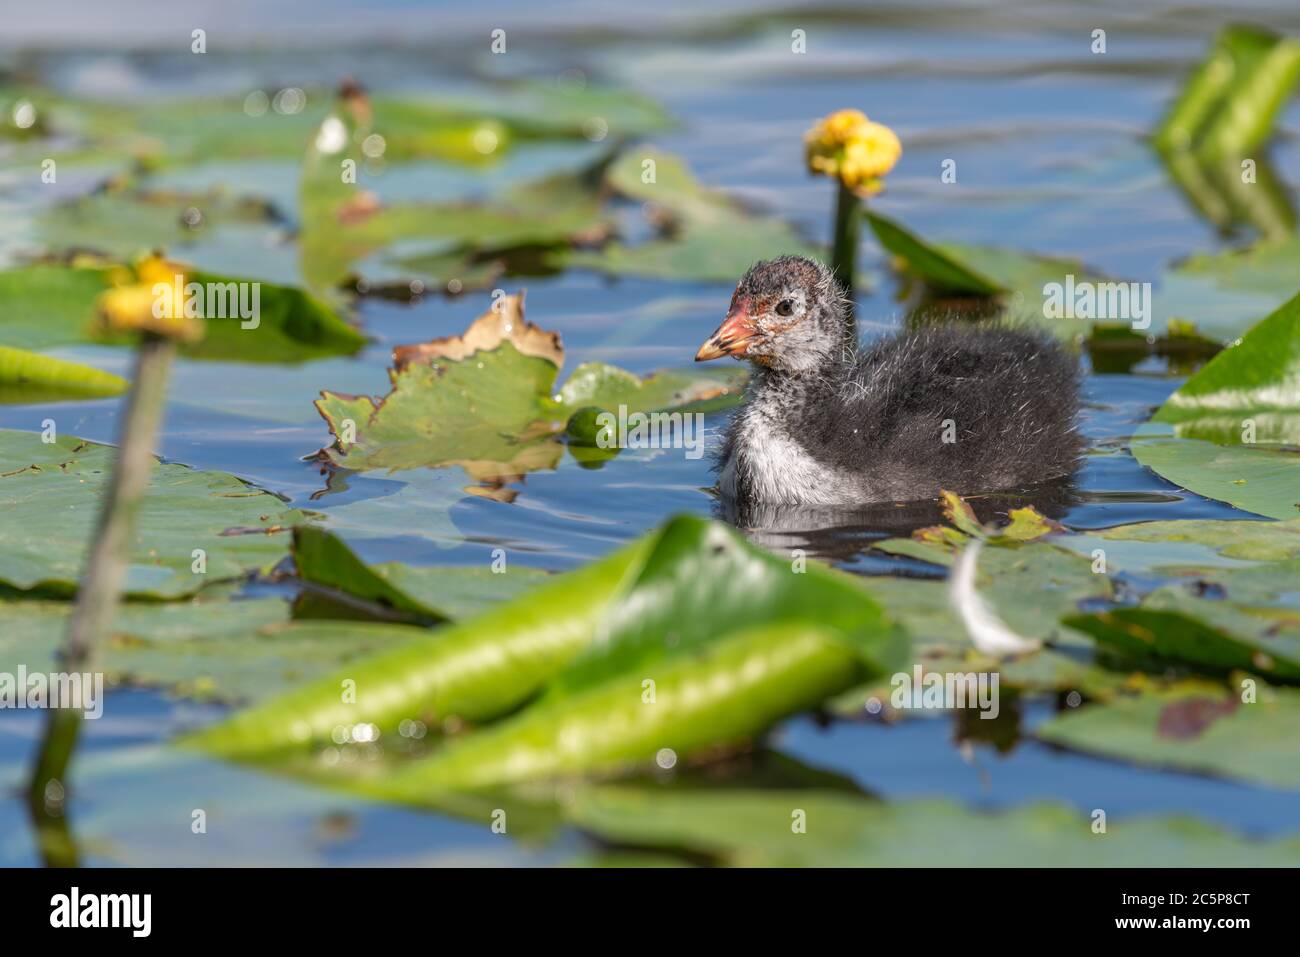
504,322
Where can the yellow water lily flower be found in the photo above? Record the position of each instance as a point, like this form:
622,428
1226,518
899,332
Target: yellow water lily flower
138,302
851,148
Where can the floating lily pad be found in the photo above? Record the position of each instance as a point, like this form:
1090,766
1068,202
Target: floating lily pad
1231,431
416,502
476,670
1266,270
1157,545
486,401
1228,105
939,268
235,651
1192,728
1214,595
733,664
422,592
1014,564
1172,637
722,695
46,306
1252,478
257,665
811,829
1224,294
1251,388
49,305
552,109
283,123
51,493
954,269
1203,302
36,625
27,377
122,223
709,237
456,246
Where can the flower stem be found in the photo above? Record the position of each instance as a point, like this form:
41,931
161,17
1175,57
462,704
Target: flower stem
101,583
844,249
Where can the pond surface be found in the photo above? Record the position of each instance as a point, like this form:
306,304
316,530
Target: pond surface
1049,144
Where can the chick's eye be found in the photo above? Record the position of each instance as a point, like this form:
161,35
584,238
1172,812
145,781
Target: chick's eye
785,307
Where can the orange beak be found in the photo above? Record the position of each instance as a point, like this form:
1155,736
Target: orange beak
732,338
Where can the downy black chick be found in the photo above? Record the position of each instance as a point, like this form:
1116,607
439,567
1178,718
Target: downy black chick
963,408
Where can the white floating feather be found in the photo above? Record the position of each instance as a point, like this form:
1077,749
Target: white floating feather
987,631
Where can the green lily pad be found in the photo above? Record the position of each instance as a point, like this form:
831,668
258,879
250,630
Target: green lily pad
1253,383
416,502
183,130
582,649
487,401
1218,190
212,649
51,494
257,665
1231,431
968,270
1252,478
424,593
1156,545
680,605
1264,583
1192,728
552,109
942,270
1229,104
1014,564
1227,599
1223,294
475,670
123,223
811,829
723,694
36,626
709,237
1259,604
218,647
1174,637
28,377
48,305
1205,301
1265,271
349,232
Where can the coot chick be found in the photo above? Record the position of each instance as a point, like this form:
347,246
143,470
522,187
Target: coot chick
965,408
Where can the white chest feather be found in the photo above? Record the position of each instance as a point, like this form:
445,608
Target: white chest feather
775,468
